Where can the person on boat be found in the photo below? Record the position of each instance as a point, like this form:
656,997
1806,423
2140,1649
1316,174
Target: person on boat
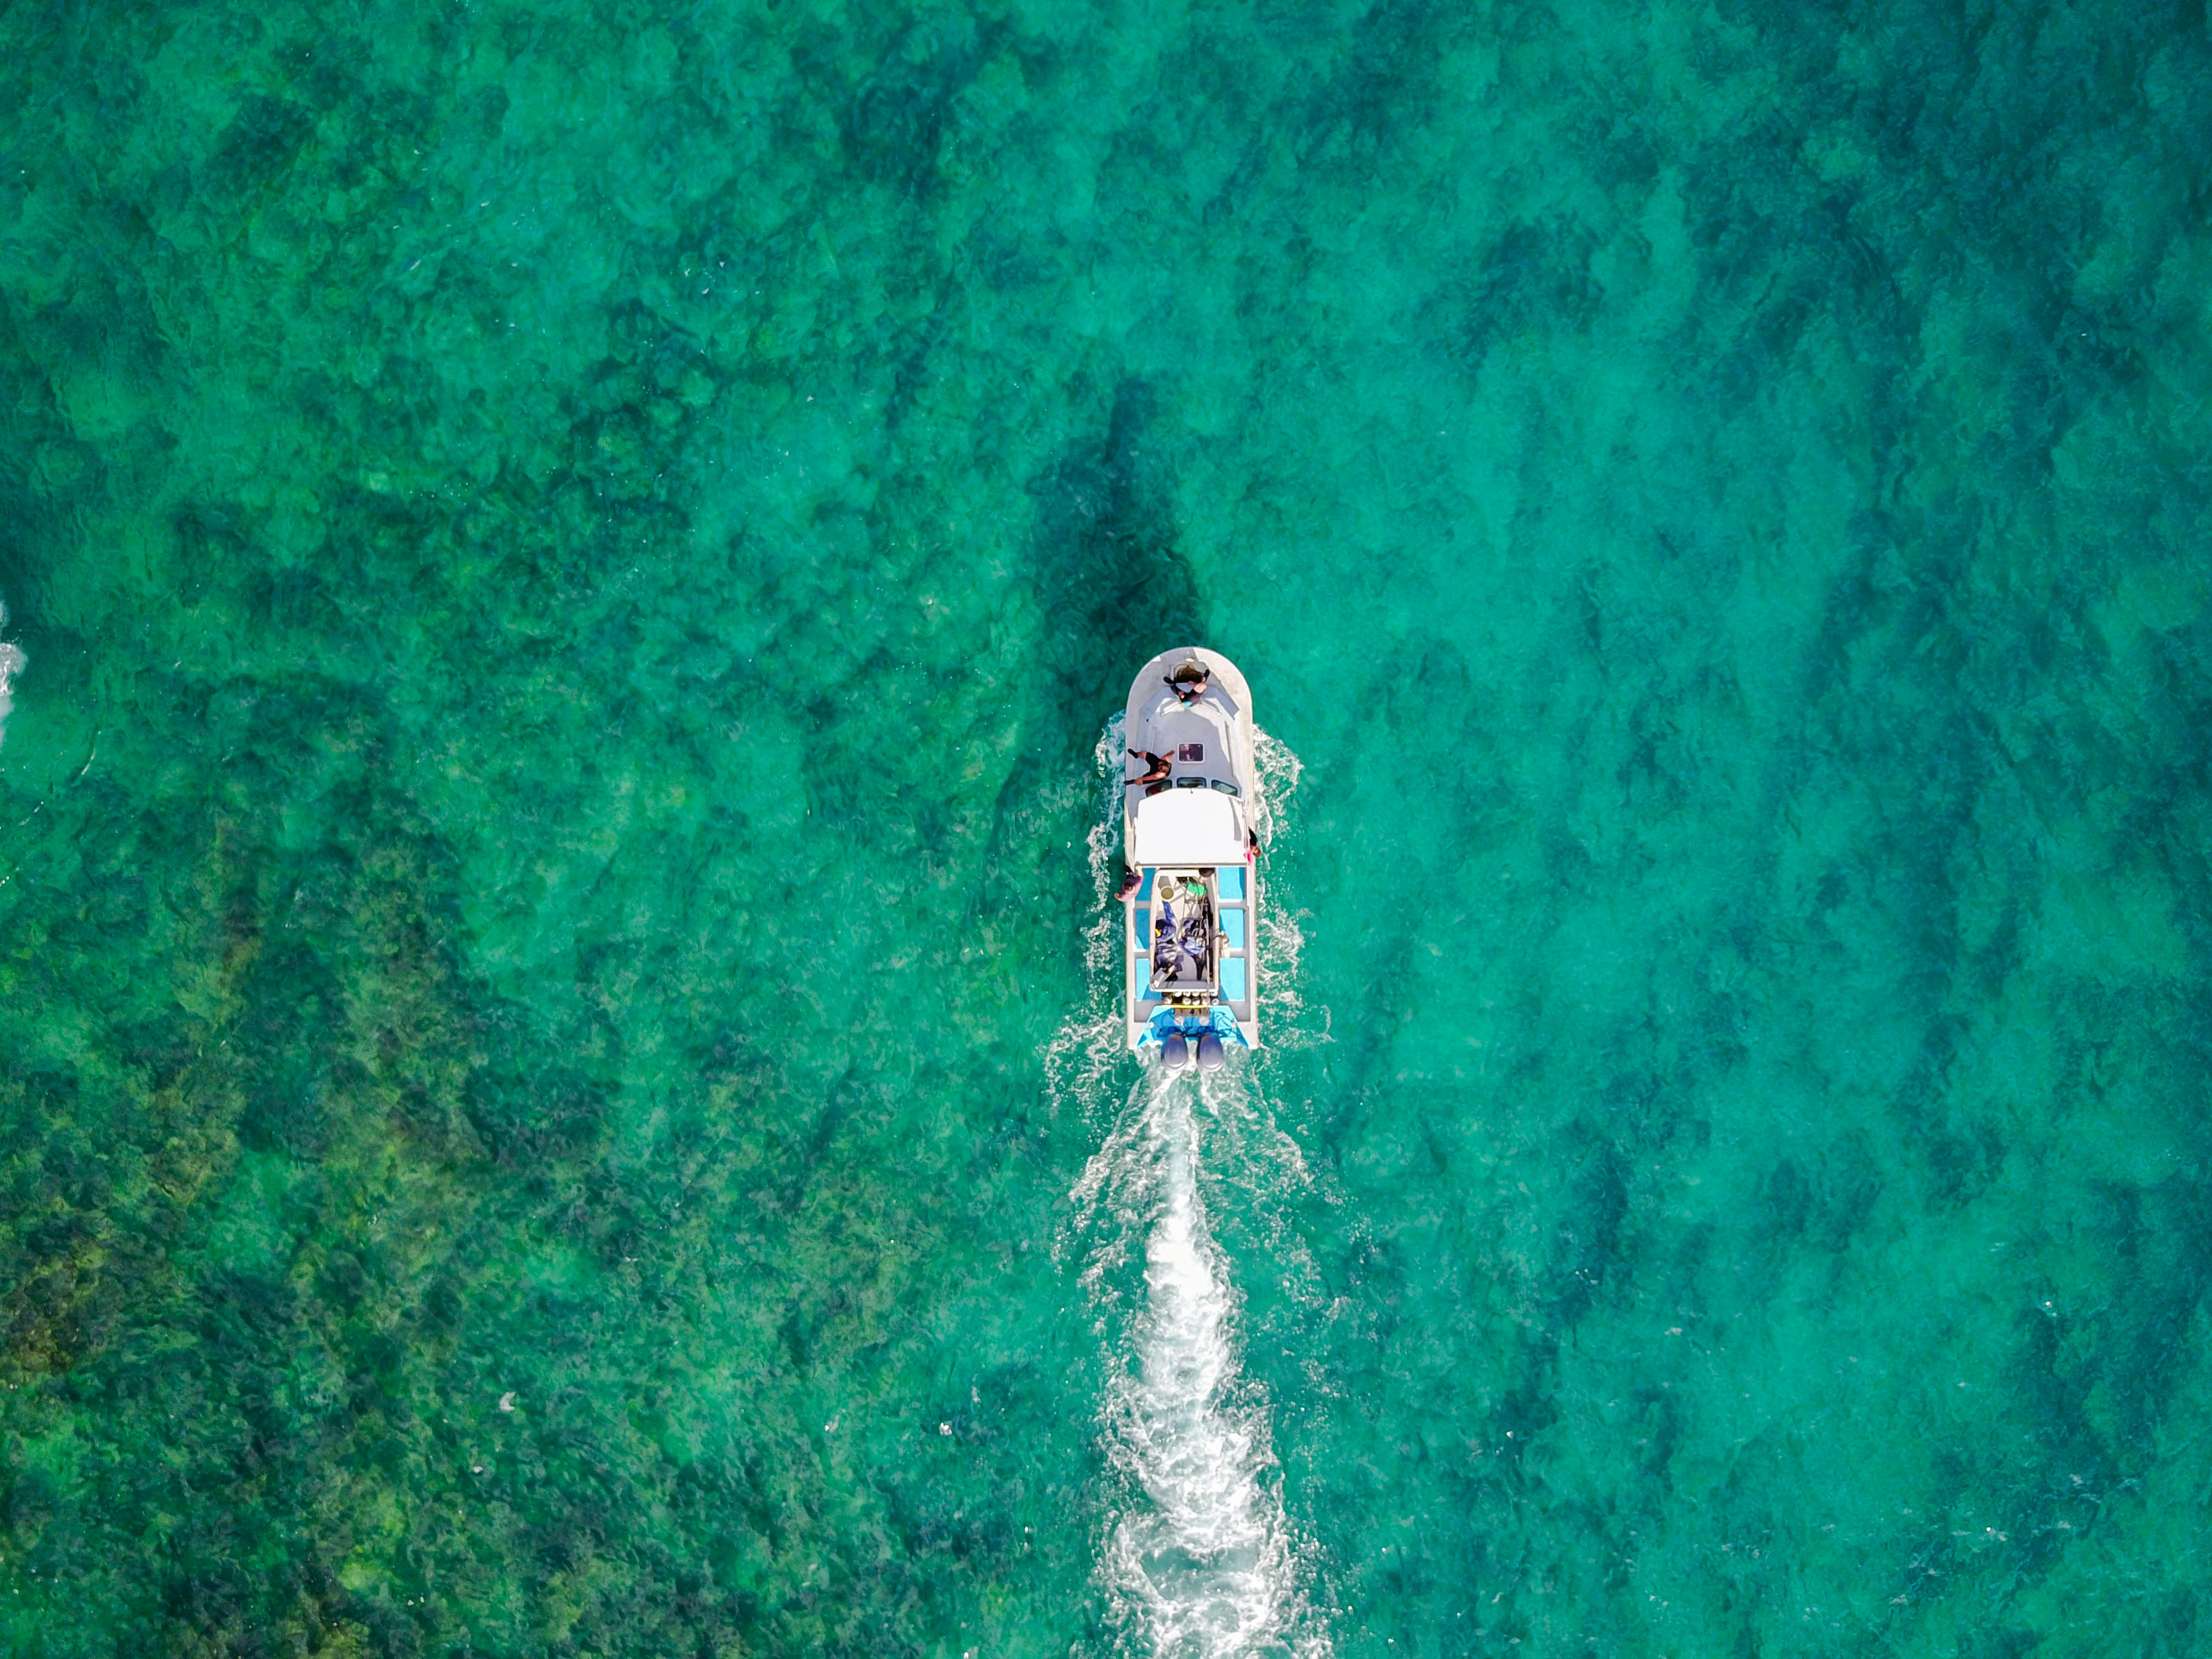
1157,768
1189,682
1189,690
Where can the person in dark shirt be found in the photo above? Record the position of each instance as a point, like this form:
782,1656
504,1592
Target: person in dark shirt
1190,682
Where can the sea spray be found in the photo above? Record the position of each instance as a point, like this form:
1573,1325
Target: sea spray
1279,770
1282,940
11,664
1102,940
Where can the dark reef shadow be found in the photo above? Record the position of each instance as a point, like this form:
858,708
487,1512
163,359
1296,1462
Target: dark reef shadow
1111,585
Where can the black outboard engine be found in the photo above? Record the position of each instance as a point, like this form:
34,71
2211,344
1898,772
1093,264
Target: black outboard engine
1209,1052
1175,1052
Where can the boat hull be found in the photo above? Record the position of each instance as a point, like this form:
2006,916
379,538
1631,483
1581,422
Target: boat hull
1191,931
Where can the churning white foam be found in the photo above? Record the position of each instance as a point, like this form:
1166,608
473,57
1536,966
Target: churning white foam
11,664
1204,1562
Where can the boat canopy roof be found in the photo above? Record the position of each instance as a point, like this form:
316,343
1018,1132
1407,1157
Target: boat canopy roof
1189,826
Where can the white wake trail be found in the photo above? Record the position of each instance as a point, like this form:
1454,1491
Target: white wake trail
11,664
1205,1562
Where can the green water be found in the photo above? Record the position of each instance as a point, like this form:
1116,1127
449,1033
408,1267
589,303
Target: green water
570,562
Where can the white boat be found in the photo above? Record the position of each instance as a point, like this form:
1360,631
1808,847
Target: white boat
1190,836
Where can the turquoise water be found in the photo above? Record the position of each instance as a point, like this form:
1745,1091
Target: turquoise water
568,565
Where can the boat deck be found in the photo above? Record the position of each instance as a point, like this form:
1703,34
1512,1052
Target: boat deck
1234,908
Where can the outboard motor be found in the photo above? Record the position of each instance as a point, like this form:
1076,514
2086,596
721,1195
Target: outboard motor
1175,1052
1209,1052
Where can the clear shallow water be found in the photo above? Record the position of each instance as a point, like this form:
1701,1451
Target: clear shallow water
570,565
